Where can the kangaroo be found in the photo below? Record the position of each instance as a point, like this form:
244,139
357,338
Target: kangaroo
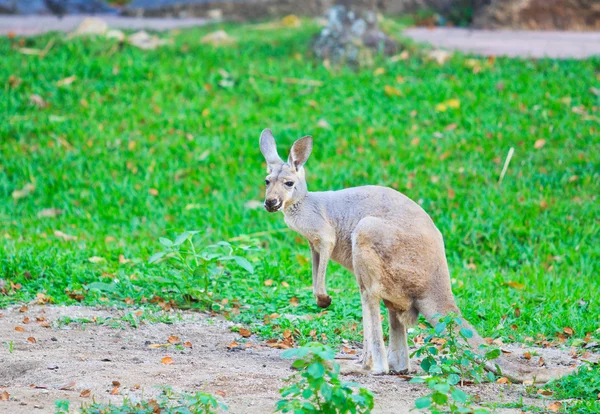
388,242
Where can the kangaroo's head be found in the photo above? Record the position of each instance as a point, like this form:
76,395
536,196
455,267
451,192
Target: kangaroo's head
285,181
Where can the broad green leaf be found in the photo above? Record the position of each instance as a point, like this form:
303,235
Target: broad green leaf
104,287
182,238
165,242
493,354
156,257
459,395
440,327
423,402
453,379
467,333
316,370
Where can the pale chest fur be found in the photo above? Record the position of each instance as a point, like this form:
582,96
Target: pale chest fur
321,233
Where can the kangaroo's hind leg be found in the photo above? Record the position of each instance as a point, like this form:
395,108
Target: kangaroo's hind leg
367,269
398,354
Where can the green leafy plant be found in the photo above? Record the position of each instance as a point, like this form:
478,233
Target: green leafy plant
61,406
445,351
199,270
317,388
167,402
449,360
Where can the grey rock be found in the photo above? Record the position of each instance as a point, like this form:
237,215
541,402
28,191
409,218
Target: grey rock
350,34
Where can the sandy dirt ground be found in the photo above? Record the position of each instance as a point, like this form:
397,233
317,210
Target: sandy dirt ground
59,361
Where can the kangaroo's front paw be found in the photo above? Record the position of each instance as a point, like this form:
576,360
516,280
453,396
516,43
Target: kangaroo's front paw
323,301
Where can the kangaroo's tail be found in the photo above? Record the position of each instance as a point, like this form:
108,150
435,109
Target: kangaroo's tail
515,372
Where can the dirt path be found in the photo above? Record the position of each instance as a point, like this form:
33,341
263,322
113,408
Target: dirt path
537,44
32,25
80,357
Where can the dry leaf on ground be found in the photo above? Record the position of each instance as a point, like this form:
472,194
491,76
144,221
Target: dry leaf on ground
146,41
218,38
174,340
440,56
64,236
90,26
24,192
49,212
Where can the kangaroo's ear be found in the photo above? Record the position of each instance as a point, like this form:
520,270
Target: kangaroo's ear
269,148
300,152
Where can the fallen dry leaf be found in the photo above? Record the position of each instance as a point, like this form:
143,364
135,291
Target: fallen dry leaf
568,331
66,81
378,71
115,34
291,21
67,387
268,282
322,123
187,344
294,301
502,380
38,101
23,309
156,346
253,204
24,192
64,236
515,285
31,340
221,393
96,259
539,143
218,38
285,284
49,212
153,192
391,91
19,329
440,56
555,406
144,40
115,390
245,332
85,393
349,351
174,340
527,355
545,392
4,396
90,26
166,360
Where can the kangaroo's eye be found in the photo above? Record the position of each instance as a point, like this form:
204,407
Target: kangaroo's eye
289,183
267,182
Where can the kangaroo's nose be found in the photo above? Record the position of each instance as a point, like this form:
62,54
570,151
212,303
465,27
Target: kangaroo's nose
271,204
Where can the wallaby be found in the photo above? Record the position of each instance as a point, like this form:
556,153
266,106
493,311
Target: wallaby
390,244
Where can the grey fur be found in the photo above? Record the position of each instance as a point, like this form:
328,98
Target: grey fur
387,241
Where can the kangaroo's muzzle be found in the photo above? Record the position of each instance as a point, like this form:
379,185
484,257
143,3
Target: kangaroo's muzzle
272,205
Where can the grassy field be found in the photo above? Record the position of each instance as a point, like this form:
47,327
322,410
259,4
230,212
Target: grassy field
147,144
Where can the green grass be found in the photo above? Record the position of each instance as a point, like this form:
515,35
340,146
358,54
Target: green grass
183,122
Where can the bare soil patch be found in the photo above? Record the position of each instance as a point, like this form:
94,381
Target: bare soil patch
62,361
